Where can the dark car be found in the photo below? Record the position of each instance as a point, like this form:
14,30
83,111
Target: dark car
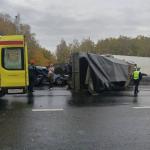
42,76
62,72
60,80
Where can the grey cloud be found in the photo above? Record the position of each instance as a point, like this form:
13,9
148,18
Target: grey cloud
71,20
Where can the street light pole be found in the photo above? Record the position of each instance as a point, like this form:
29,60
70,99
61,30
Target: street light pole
17,23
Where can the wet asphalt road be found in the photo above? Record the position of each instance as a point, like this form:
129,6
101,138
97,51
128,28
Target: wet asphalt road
111,121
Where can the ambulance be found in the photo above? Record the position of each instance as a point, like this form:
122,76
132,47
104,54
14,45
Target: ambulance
13,65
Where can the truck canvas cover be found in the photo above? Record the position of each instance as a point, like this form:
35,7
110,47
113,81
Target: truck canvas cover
105,72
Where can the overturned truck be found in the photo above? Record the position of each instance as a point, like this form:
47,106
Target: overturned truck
97,73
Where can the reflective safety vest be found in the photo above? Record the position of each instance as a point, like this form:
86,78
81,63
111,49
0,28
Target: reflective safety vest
136,75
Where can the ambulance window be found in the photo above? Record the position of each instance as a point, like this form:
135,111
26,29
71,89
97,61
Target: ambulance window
12,58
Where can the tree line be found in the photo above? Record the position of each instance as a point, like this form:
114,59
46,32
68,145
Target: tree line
138,46
36,52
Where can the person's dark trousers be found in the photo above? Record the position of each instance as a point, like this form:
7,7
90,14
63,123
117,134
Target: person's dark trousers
51,81
136,84
31,84
50,84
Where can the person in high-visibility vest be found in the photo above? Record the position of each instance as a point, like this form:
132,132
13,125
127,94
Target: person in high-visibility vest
137,76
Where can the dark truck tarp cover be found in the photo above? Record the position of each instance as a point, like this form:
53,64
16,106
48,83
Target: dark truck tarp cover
105,70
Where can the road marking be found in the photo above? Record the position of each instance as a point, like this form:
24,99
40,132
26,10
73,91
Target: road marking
125,103
142,107
38,110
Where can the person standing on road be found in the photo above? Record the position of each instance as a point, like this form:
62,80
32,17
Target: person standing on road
32,76
137,77
51,75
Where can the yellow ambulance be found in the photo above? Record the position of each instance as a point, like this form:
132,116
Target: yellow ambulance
13,65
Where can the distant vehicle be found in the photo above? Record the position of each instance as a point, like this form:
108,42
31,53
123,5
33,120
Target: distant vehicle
14,65
61,74
60,80
42,76
63,69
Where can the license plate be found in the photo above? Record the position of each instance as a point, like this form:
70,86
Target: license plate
11,91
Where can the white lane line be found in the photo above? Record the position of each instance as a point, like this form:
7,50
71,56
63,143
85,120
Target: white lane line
38,110
142,107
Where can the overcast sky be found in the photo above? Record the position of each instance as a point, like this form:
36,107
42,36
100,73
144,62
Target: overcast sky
53,20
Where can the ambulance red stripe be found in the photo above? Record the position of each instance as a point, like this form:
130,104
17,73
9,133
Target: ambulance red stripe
11,42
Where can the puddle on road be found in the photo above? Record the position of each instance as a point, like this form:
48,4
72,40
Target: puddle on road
62,98
104,99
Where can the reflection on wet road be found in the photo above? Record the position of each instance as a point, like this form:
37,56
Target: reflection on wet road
58,120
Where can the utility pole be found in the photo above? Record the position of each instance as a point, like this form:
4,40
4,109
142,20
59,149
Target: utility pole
17,23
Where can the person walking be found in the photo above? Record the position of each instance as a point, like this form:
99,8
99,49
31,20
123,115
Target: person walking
51,75
137,77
